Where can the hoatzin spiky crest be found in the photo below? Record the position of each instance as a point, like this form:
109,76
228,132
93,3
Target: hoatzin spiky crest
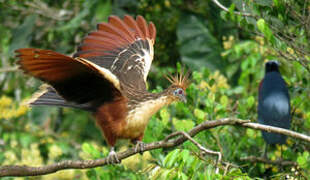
107,76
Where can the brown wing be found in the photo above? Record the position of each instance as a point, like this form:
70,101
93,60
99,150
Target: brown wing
75,79
125,47
48,96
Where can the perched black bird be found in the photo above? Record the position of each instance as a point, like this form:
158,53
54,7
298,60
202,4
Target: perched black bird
273,103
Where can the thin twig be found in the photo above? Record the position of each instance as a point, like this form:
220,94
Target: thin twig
236,12
217,139
203,149
84,164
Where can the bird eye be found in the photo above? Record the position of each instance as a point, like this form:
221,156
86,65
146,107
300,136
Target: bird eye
178,92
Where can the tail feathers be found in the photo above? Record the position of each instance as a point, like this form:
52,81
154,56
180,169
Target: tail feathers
47,96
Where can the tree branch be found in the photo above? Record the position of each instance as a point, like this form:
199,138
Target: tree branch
8,69
255,159
84,164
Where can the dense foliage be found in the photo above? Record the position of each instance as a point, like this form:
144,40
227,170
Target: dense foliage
225,53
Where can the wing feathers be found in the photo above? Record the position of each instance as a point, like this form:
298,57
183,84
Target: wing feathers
120,50
48,96
133,25
102,34
107,35
90,53
152,30
143,26
104,72
97,46
38,63
114,30
117,22
124,46
115,35
75,79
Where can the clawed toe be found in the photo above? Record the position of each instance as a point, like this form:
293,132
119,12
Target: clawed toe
140,146
112,158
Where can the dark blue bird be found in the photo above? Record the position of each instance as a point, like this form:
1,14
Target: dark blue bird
273,103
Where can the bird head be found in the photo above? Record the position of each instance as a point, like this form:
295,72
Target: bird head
179,83
271,66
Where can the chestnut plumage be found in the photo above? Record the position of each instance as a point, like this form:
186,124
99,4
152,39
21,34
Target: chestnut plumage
106,76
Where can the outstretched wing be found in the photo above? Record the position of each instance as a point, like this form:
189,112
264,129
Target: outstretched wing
75,79
47,95
125,47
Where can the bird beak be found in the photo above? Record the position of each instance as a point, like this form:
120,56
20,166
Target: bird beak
183,98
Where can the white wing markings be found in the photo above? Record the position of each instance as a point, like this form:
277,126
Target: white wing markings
103,71
113,67
148,58
145,60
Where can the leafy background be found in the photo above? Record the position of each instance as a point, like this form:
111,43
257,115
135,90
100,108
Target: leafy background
226,55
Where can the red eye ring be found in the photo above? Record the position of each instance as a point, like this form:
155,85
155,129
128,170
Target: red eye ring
180,91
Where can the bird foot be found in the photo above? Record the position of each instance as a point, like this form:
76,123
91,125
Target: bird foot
140,146
112,158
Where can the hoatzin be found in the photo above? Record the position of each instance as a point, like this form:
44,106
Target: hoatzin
106,76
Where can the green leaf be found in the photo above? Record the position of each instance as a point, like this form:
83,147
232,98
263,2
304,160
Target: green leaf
263,27
90,149
91,174
199,114
185,155
250,101
303,160
251,133
264,2
76,21
190,161
165,116
103,10
22,34
231,11
224,100
25,139
198,47
276,3
223,15
183,176
171,158
86,148
165,174
183,125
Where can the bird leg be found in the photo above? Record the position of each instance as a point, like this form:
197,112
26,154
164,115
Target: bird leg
281,152
140,146
265,151
281,158
112,157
